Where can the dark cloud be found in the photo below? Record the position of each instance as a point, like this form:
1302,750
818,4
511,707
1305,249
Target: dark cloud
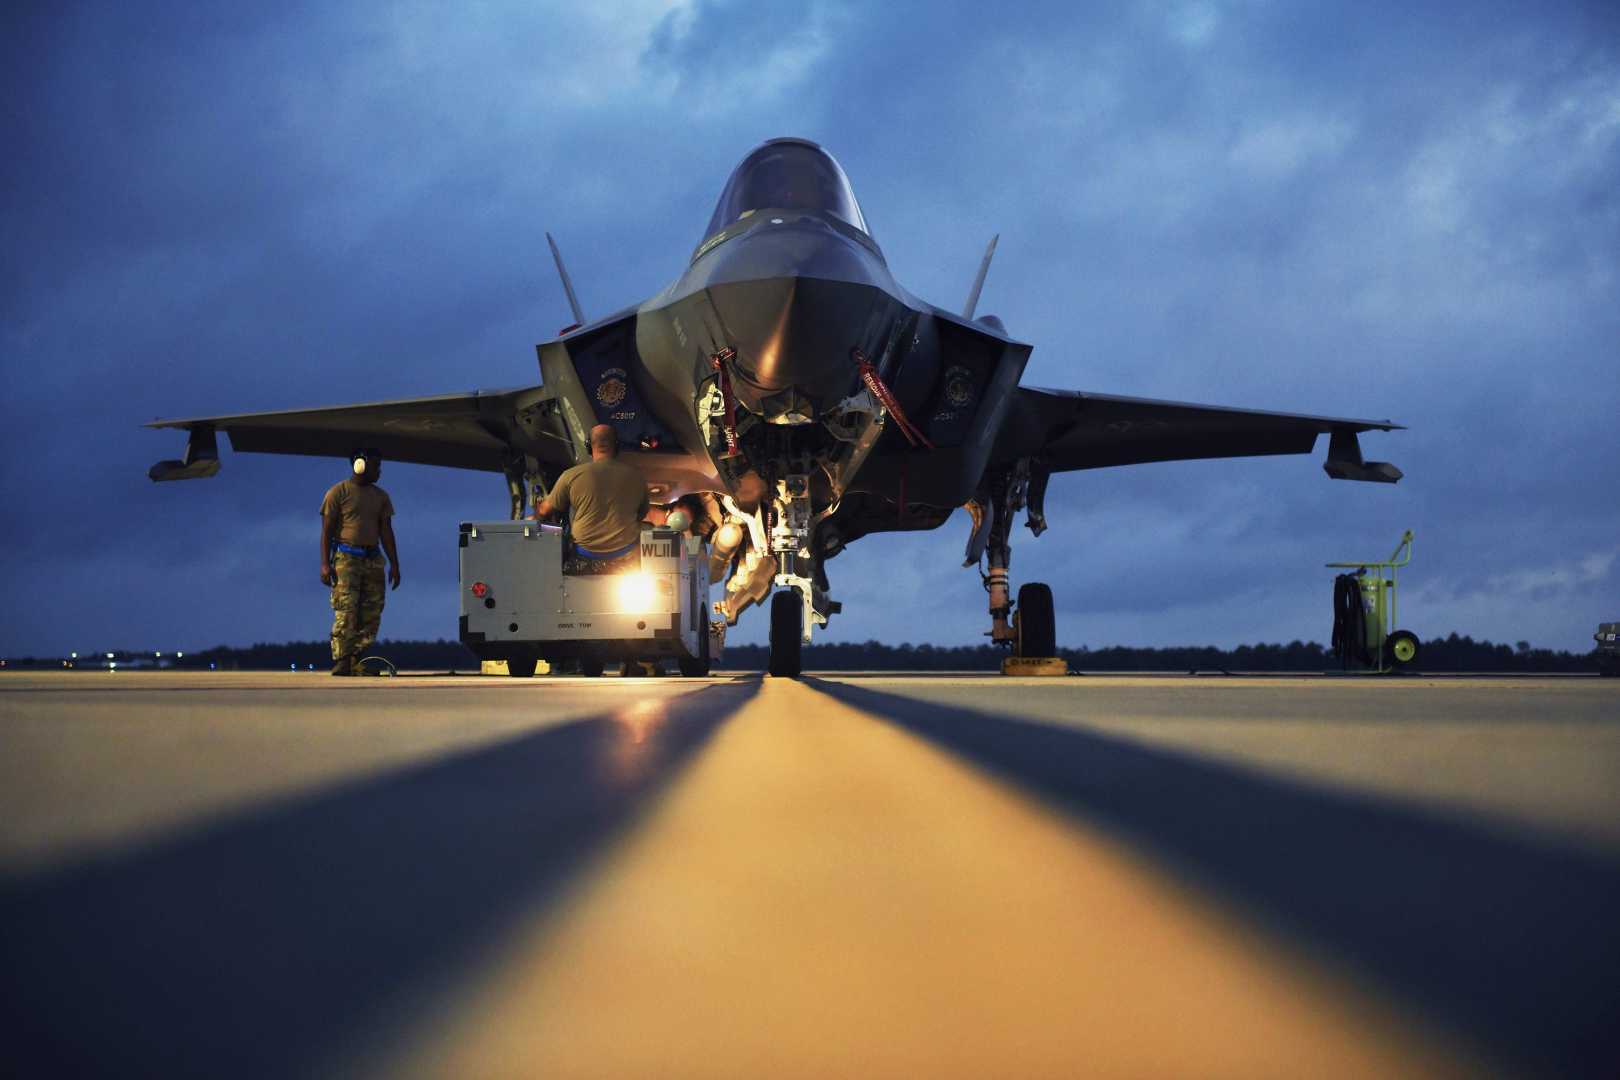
1385,210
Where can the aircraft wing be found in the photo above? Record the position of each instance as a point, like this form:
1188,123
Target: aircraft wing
1068,429
482,430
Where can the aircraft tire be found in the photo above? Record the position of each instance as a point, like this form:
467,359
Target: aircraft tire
521,667
591,669
1037,623
786,615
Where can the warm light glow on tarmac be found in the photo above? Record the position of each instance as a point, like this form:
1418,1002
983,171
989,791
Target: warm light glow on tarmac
638,725
824,894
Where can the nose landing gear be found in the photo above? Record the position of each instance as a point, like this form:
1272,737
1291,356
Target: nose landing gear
787,615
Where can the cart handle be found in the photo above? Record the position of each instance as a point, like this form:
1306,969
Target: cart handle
1394,561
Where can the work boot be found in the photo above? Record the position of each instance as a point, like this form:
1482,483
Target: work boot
343,665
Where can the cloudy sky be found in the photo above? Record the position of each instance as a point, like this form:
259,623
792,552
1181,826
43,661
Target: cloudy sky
1363,210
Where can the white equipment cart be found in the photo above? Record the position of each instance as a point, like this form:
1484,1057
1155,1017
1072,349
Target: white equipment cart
526,597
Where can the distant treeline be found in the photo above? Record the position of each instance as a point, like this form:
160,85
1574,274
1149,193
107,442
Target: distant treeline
1453,653
406,655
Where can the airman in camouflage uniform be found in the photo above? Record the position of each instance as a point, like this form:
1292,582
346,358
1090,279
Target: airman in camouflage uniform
356,528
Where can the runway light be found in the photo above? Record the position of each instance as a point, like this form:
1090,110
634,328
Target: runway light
636,592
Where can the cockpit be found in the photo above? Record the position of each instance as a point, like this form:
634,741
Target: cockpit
786,174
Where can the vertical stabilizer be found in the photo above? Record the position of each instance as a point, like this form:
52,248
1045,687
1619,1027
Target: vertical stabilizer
568,286
978,282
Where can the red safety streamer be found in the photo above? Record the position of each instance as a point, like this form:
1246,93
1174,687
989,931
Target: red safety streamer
718,361
874,383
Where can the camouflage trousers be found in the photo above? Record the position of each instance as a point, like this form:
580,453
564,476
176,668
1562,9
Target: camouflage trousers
359,588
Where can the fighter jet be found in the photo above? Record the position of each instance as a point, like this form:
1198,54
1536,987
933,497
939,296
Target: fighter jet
793,397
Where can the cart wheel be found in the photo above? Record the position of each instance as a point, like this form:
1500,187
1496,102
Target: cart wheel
1402,648
697,667
787,614
521,667
1037,625
591,669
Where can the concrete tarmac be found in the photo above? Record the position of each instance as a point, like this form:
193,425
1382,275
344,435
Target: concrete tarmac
272,874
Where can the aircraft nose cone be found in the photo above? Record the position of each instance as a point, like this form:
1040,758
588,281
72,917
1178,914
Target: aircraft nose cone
793,337
762,319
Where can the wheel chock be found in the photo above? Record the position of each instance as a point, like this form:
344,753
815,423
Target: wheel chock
1034,665
498,667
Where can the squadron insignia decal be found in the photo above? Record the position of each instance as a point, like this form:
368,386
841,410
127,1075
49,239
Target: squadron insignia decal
611,390
959,387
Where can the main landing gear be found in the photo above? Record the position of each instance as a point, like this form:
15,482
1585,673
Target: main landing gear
1028,630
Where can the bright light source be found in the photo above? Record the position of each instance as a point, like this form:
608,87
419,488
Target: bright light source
109,656
180,655
479,589
74,655
157,654
636,592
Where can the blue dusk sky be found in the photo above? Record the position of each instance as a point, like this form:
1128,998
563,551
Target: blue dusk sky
1389,210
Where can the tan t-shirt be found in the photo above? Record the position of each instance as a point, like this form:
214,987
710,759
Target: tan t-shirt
608,499
360,511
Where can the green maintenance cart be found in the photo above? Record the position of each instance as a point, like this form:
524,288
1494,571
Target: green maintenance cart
1364,634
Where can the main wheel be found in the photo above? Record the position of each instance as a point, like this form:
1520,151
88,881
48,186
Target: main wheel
591,669
1037,623
787,616
1401,649
521,667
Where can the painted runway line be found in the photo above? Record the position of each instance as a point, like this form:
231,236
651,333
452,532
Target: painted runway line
824,894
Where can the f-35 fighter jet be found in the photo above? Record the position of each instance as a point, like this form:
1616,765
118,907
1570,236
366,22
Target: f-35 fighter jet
793,397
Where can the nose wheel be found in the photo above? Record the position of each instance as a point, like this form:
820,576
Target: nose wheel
787,629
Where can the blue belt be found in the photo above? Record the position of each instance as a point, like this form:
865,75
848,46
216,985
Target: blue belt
364,552
586,554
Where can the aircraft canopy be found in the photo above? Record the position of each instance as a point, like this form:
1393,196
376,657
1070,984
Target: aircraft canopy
787,174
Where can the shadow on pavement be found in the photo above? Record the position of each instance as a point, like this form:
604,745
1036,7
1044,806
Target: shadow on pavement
271,943
1509,939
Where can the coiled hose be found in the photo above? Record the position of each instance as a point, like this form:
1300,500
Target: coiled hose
1349,622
